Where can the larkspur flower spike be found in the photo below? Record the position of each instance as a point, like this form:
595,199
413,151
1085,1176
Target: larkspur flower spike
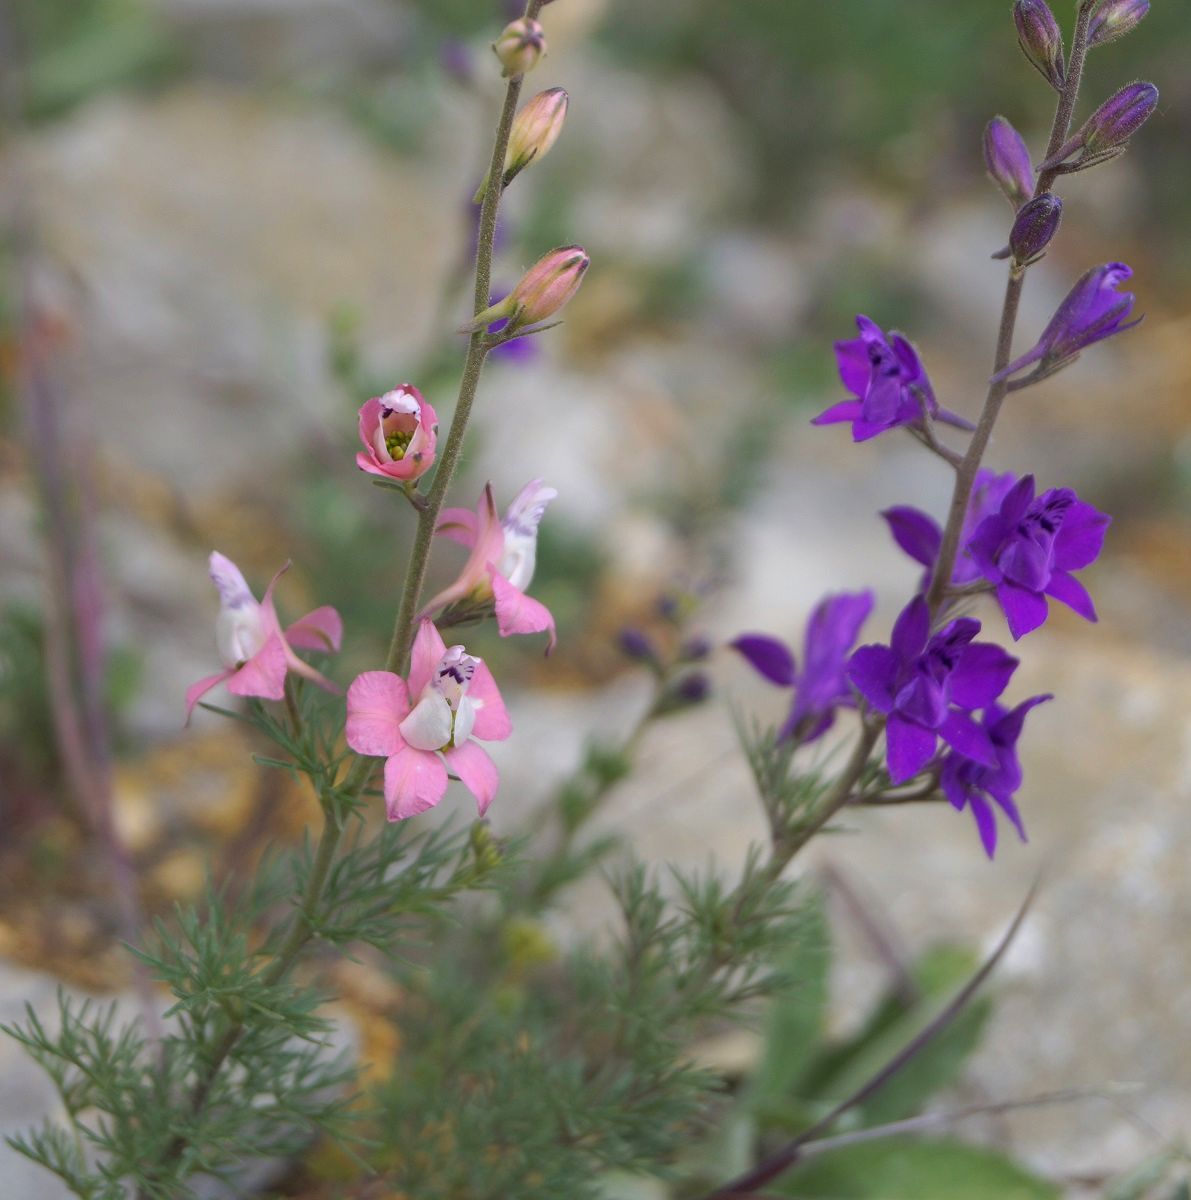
1113,19
1041,40
1008,161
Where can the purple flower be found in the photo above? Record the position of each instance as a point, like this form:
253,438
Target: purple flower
920,536
1034,228
1030,546
918,678
822,685
972,785
1093,310
888,381
1008,161
1107,131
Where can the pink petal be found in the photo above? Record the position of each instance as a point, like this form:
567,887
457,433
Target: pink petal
197,691
492,718
458,525
377,702
487,548
320,630
476,771
234,591
518,613
427,652
415,780
295,664
263,675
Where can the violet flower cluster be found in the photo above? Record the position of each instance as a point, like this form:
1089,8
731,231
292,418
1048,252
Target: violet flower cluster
936,690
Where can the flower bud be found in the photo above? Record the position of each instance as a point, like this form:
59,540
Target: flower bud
1115,18
1119,117
520,46
1041,40
637,645
535,130
1036,224
1008,161
542,291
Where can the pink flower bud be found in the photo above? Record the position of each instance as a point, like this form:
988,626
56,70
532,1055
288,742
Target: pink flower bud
547,286
399,431
520,46
535,130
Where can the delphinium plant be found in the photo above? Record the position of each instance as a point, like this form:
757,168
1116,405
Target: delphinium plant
528,1069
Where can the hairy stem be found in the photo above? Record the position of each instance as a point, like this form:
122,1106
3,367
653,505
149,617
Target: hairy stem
965,475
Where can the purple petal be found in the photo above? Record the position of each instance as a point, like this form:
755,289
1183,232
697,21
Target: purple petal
910,748
768,657
1007,805
981,675
837,414
873,669
854,368
1080,540
916,533
1007,728
1069,591
911,630
1024,611
986,823
964,736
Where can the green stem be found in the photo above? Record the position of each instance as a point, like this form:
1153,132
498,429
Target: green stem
965,476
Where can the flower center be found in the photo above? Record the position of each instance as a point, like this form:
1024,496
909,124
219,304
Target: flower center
397,443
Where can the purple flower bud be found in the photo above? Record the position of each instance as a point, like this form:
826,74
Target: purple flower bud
520,46
1093,310
636,644
695,649
1008,161
1041,40
1119,117
1036,224
693,688
1115,18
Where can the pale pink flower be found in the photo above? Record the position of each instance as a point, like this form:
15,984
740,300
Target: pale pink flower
256,652
416,724
399,431
501,564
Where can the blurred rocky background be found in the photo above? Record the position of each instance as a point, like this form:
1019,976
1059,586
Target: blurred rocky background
249,215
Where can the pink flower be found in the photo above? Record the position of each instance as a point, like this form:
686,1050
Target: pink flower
449,698
502,560
256,653
399,431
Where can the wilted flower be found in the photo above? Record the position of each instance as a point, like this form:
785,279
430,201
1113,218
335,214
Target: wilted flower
1008,161
256,652
919,678
1041,40
970,784
821,687
1092,311
399,431
416,724
889,382
1030,546
520,46
502,560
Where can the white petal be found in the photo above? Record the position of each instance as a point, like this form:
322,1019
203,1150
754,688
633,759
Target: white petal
429,725
465,720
